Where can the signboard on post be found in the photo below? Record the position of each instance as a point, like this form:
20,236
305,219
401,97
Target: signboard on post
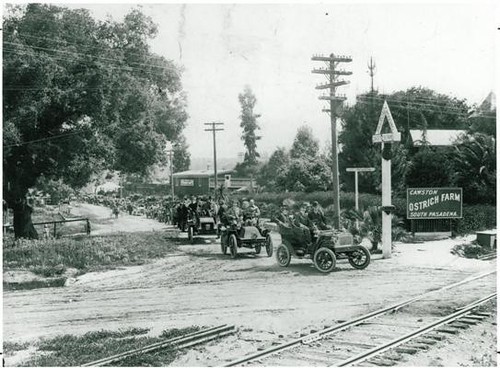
434,203
187,183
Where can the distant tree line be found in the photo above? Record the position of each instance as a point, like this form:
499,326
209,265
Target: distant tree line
470,163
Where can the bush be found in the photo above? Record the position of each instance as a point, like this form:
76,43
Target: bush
325,199
469,250
475,218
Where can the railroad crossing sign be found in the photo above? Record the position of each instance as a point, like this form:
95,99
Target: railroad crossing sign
386,140
394,135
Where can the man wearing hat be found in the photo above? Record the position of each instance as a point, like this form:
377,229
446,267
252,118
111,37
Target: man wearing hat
317,216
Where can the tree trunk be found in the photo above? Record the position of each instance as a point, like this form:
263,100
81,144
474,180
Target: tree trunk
23,226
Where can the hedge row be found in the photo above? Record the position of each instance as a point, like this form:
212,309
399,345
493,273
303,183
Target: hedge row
475,217
325,199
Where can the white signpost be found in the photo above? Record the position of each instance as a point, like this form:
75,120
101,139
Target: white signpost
355,170
386,141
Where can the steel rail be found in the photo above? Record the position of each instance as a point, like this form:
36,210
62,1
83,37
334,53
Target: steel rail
412,335
180,342
342,326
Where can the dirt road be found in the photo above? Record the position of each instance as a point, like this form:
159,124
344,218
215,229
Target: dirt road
103,222
199,286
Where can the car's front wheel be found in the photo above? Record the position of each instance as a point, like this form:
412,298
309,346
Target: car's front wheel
233,245
324,260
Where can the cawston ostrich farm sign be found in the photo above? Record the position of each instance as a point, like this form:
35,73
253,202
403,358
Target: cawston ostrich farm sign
434,203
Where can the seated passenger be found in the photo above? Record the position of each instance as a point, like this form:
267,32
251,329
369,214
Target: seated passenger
285,217
317,216
303,221
253,212
206,207
234,212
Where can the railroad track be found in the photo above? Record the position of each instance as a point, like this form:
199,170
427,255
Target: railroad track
179,342
364,338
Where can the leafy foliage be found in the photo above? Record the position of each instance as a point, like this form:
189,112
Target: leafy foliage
249,125
428,168
483,119
81,95
474,164
304,144
273,168
182,157
301,169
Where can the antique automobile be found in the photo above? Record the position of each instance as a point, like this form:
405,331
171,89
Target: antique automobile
201,225
323,247
236,235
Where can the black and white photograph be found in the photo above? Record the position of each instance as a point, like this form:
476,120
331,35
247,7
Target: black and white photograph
248,184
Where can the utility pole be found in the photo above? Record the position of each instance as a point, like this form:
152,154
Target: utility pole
332,73
170,152
213,129
371,70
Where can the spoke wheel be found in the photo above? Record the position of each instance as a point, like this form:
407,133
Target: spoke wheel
283,255
258,248
324,260
233,245
360,258
269,245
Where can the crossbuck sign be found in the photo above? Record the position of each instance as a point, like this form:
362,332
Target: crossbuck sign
394,135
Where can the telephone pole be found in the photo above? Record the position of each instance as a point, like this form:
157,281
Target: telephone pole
214,129
170,152
371,71
332,73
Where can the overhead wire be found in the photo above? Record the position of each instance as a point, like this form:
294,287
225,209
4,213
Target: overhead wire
450,112
42,139
123,68
90,55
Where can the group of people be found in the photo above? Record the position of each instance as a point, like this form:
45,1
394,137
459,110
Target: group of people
195,208
310,217
153,207
248,213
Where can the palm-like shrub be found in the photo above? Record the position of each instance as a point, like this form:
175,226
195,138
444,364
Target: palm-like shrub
474,162
370,225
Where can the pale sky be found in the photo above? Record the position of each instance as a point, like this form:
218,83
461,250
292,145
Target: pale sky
222,47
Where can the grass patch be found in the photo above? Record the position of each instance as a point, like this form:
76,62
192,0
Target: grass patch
70,350
11,347
52,257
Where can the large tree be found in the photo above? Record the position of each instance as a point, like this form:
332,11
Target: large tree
81,95
182,157
305,168
249,125
304,144
273,169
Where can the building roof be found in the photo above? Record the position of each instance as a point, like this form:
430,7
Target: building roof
200,173
435,137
